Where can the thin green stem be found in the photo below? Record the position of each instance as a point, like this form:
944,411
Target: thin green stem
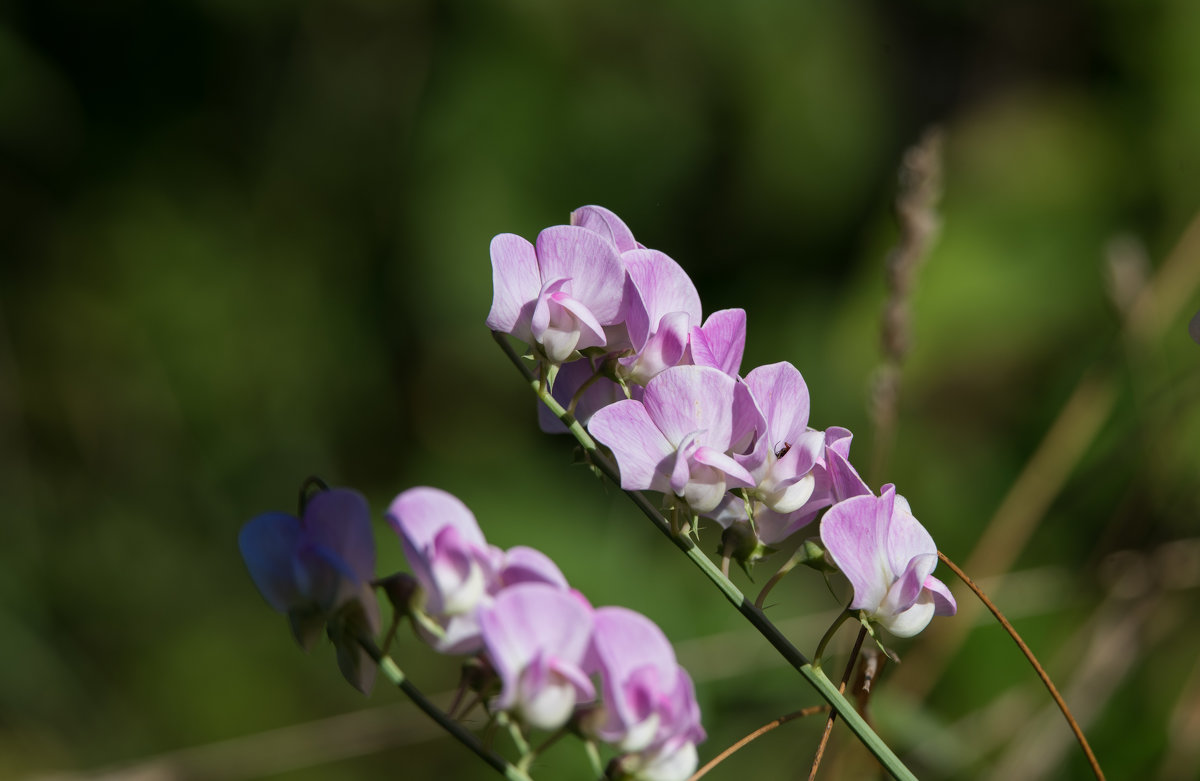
596,375
593,755
862,633
394,674
537,751
518,738
829,633
815,677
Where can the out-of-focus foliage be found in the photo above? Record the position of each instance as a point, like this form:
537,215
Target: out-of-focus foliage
245,242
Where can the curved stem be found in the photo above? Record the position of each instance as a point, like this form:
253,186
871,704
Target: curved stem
814,676
829,633
862,633
394,674
755,735
1050,687
596,375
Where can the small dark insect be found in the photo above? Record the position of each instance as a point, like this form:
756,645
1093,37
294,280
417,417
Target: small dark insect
782,451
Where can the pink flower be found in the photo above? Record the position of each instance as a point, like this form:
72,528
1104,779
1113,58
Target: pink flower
648,698
458,570
537,637
559,294
889,559
676,439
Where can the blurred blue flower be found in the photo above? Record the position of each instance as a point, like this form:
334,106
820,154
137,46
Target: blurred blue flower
318,570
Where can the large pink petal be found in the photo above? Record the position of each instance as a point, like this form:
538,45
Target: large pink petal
420,513
906,537
849,534
640,448
783,398
624,642
515,285
591,263
662,285
529,620
689,399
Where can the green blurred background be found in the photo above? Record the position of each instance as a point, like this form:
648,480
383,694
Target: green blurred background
245,242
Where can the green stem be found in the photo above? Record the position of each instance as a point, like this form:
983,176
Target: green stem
815,677
394,674
837,624
596,375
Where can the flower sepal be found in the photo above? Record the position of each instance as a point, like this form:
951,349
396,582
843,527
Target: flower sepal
741,544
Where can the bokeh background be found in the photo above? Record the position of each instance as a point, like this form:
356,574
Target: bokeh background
245,242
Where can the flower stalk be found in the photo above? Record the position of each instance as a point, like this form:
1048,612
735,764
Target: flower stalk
814,676
394,674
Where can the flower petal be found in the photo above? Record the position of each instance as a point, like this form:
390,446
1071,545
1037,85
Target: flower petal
418,514
688,399
607,224
641,450
529,565
340,519
530,622
720,342
515,285
664,349
943,600
849,533
268,544
624,642
782,395
906,537
910,622
591,263
662,286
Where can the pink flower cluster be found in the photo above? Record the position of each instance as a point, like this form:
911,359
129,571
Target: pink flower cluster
617,328
545,641
556,658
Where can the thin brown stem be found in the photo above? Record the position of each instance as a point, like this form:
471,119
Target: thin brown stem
862,633
758,733
1050,687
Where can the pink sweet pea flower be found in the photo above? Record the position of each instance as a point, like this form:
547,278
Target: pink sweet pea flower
648,698
889,559
676,439
318,569
663,306
537,637
782,456
560,294
458,570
